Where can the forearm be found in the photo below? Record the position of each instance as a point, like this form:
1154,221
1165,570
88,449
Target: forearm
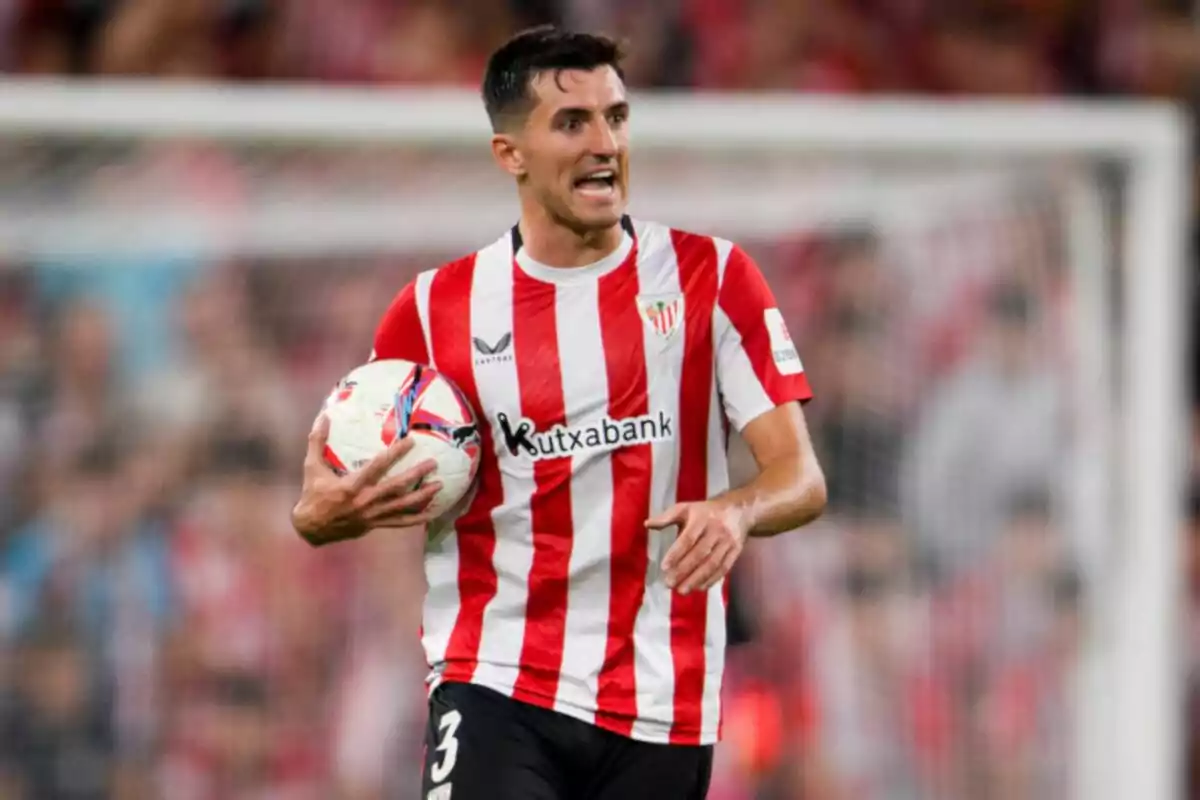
787,494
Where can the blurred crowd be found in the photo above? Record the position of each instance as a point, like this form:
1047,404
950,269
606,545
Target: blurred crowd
921,639
163,633
1023,47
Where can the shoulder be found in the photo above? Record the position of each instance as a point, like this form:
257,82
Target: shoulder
495,254
685,247
416,292
661,234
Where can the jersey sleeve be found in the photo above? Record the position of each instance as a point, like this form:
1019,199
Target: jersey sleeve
400,333
758,367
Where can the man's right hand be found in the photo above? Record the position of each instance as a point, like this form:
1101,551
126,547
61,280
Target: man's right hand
335,507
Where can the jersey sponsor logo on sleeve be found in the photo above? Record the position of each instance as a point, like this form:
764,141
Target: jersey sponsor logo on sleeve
783,351
522,439
663,313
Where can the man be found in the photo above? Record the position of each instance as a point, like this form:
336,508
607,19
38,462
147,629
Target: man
575,622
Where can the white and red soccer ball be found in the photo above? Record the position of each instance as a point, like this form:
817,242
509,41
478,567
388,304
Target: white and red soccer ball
382,400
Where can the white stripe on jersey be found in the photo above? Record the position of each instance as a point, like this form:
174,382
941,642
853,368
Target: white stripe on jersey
658,273
724,248
585,397
498,387
718,481
424,283
743,393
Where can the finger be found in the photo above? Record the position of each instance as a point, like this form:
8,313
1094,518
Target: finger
706,572
406,520
380,464
692,530
396,486
689,561
318,437
726,567
674,515
406,480
407,504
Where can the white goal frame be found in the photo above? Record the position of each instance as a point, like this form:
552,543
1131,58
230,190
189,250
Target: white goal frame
1133,709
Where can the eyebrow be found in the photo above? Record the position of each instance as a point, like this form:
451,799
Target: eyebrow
578,111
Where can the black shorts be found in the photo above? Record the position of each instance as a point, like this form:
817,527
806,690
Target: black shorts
481,745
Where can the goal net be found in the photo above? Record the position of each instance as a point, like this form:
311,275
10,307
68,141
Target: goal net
988,302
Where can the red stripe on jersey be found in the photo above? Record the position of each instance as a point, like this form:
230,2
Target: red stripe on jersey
697,259
744,296
622,332
399,334
450,332
539,373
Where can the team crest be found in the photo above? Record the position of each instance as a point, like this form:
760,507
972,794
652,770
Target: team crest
663,313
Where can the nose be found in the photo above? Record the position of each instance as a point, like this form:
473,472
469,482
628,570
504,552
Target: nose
604,140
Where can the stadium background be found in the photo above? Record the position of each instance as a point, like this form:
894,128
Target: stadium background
162,634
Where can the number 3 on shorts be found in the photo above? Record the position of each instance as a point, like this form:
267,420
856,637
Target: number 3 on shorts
448,726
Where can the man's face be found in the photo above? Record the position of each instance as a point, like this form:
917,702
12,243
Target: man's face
573,149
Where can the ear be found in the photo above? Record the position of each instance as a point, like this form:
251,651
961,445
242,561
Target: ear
507,153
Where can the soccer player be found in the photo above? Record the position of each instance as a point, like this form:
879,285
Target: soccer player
575,620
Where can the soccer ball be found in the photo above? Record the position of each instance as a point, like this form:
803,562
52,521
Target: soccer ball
386,399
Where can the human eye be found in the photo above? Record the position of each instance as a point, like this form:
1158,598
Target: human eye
573,123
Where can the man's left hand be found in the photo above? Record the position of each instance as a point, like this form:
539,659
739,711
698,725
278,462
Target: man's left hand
711,537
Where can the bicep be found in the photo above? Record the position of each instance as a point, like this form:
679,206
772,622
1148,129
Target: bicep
780,434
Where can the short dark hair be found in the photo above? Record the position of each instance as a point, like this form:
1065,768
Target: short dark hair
507,94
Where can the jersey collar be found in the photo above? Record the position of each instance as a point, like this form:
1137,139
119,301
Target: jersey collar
550,274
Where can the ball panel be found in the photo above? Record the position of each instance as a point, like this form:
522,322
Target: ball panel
377,401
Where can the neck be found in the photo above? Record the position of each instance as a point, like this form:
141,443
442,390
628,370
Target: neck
549,241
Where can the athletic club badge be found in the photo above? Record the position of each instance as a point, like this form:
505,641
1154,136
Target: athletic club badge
663,313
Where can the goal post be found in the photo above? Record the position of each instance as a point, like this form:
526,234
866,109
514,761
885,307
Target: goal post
757,166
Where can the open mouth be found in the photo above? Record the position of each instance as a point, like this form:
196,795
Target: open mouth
598,182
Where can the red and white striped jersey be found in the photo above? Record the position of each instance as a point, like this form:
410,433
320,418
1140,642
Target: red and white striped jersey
604,395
